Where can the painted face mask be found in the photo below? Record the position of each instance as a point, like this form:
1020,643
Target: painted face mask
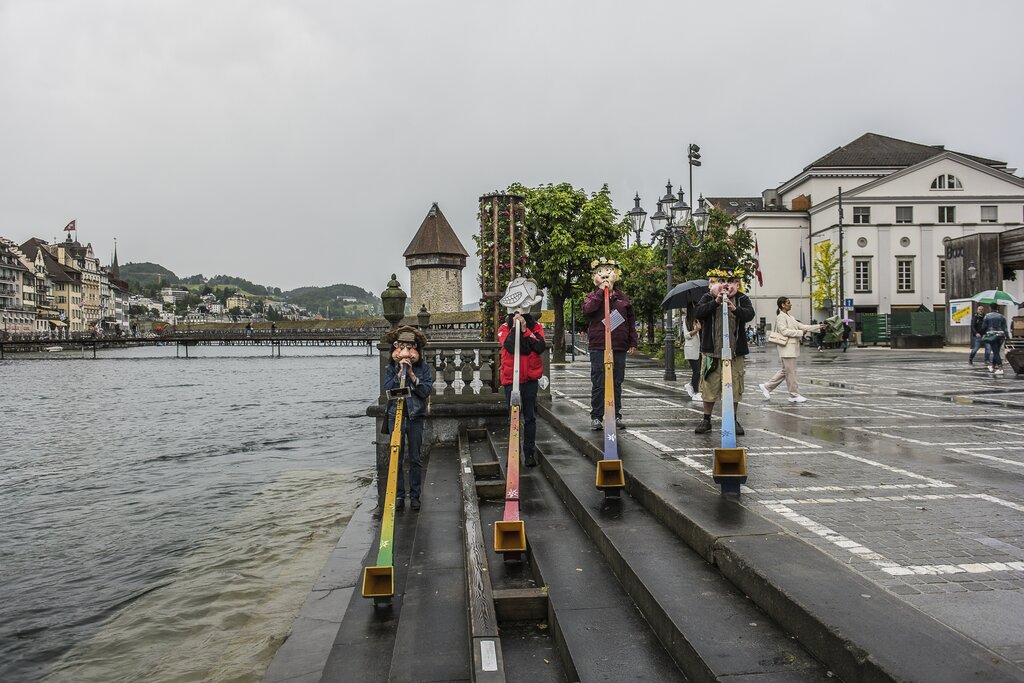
606,270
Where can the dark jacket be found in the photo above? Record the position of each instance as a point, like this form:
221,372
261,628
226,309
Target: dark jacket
416,404
976,323
624,336
531,350
705,312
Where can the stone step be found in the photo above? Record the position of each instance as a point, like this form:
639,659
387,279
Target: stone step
853,626
709,627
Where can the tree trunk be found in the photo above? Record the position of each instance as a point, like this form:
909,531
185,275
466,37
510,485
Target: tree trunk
558,336
650,329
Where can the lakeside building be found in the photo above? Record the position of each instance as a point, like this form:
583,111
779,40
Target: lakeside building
239,302
901,202
14,318
435,259
172,295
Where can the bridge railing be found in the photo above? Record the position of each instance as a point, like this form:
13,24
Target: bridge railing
466,370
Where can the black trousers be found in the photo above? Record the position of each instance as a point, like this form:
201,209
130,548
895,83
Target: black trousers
528,398
694,374
597,382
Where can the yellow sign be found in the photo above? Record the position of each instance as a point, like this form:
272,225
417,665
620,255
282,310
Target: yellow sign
960,313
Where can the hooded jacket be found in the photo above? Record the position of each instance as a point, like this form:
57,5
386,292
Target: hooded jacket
531,348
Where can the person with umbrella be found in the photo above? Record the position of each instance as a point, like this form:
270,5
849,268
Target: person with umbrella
686,295
724,288
994,331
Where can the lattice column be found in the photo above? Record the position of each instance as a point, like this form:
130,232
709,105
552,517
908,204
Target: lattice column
501,246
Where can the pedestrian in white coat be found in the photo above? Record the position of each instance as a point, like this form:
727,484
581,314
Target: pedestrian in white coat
787,325
691,352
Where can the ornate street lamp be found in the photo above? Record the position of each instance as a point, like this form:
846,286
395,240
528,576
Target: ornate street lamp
677,222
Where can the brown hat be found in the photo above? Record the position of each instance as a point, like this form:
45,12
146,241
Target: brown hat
408,335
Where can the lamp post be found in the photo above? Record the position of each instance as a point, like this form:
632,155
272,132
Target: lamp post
669,225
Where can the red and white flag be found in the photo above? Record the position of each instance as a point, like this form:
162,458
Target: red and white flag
69,227
757,264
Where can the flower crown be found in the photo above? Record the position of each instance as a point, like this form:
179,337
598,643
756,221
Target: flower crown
605,262
720,274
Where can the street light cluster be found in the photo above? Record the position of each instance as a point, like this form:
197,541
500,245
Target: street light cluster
673,219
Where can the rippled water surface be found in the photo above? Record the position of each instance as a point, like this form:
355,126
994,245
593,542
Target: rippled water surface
164,519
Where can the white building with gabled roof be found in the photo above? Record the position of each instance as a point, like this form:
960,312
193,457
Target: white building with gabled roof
901,201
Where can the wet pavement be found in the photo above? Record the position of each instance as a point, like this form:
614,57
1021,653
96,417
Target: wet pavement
905,466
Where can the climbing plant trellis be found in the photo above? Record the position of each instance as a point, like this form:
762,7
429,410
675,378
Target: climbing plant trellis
501,246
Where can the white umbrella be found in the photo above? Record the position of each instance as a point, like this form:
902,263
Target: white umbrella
995,296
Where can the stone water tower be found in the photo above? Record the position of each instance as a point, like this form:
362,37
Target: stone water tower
435,259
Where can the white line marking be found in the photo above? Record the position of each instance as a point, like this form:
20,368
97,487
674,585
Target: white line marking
896,470
787,438
982,456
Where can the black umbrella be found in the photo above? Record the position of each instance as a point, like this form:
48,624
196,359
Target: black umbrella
685,293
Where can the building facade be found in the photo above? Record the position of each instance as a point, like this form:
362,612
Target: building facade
901,203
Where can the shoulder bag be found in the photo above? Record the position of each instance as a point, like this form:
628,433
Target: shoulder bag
776,337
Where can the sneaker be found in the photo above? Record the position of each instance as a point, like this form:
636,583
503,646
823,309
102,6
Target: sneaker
739,429
596,425
689,389
531,460
698,397
797,399
400,504
991,369
704,427
998,371
414,503
764,391
619,424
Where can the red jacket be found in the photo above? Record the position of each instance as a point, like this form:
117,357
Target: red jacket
531,347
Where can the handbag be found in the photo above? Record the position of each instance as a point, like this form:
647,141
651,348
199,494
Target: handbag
776,337
990,337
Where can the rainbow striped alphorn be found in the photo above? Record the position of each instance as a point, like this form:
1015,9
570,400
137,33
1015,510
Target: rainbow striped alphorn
730,466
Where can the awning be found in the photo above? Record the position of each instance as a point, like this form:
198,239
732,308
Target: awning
58,323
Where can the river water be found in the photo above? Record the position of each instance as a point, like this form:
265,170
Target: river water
164,519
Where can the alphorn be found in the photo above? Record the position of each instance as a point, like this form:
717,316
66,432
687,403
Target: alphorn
609,478
510,532
379,580
730,467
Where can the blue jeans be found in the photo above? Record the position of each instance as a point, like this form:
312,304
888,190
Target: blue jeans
997,346
597,382
975,345
412,441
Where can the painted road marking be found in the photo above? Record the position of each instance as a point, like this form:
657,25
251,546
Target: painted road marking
782,507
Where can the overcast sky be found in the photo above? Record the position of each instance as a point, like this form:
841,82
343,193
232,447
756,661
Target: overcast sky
302,142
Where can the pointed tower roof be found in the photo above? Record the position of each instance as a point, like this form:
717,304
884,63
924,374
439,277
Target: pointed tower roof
115,270
435,237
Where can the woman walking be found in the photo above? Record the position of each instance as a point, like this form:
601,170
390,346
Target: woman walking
691,352
790,327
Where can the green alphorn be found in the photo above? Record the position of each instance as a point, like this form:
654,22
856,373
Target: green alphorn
379,580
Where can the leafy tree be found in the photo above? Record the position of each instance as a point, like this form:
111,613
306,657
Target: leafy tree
565,230
724,246
643,279
826,274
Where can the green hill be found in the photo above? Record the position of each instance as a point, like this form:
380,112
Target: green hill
333,298
147,274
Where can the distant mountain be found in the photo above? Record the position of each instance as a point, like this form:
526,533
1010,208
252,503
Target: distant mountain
339,299
334,298
147,274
